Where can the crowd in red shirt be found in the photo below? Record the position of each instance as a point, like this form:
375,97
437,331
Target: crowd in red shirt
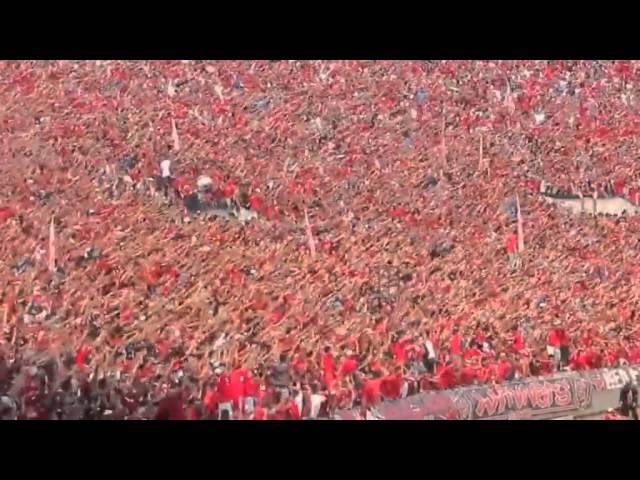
379,261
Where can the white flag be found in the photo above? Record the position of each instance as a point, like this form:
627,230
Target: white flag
508,99
312,243
174,136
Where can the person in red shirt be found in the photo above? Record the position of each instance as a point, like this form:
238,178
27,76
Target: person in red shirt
236,387
328,367
579,360
479,336
511,245
619,186
286,409
591,358
468,375
348,366
260,413
255,202
634,353
391,385
474,351
225,392
447,377
210,401
399,349
292,411
278,413
483,371
229,189
82,355
455,344
518,340
371,390
587,338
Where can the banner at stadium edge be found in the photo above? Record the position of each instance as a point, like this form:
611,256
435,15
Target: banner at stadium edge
526,398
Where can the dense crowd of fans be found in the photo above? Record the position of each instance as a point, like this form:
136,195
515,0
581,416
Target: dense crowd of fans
284,239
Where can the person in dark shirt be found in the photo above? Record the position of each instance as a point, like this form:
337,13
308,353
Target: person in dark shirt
279,377
171,408
629,400
192,203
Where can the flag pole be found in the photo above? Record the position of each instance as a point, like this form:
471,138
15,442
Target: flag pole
52,245
312,243
481,156
444,138
520,226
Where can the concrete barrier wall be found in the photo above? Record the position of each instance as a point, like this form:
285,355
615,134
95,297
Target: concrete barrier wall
602,401
570,394
608,398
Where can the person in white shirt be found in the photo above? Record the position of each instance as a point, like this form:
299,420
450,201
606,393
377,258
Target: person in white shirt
298,397
163,181
165,168
429,358
316,401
